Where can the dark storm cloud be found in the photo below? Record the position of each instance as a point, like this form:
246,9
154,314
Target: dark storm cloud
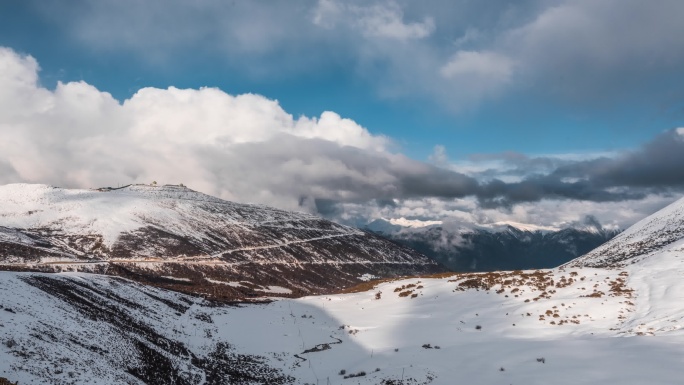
498,193
657,165
320,172
327,208
436,182
336,174
516,164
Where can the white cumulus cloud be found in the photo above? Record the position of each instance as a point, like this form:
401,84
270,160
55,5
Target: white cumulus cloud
244,147
247,148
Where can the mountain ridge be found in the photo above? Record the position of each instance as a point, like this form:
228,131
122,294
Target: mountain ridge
468,247
185,240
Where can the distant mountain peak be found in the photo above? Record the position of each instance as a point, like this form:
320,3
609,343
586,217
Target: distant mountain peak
413,223
503,225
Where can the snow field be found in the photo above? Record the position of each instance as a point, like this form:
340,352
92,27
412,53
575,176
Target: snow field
431,338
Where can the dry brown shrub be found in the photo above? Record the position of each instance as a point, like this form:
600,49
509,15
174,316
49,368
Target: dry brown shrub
473,283
619,288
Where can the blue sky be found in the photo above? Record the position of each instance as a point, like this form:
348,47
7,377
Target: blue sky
541,79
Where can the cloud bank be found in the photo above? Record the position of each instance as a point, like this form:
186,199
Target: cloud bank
246,148
459,53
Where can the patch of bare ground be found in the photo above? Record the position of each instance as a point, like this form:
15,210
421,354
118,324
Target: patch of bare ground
503,281
244,282
618,287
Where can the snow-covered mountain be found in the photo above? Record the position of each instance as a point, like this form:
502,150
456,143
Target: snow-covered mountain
499,246
178,238
656,234
621,323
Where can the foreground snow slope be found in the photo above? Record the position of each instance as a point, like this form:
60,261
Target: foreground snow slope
178,238
619,323
562,326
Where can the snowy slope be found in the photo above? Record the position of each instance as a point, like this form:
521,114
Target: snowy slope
109,214
82,329
654,234
178,238
620,324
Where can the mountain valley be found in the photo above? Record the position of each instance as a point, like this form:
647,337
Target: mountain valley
467,247
613,316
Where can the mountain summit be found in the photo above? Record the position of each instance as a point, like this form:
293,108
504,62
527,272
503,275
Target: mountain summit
175,237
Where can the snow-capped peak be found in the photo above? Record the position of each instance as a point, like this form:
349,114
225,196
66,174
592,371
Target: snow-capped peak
412,223
112,212
520,226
